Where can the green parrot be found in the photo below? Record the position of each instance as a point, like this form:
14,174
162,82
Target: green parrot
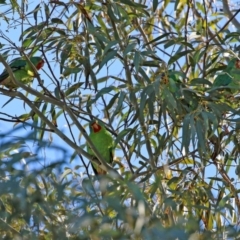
103,142
21,70
230,76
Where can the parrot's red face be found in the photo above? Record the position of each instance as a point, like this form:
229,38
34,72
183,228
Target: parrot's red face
237,64
40,64
96,127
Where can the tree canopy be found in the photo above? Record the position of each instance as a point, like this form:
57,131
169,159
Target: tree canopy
164,77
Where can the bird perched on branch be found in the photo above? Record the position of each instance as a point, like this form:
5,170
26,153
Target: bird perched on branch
22,71
230,77
103,142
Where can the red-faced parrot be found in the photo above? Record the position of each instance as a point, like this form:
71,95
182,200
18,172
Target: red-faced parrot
21,70
103,142
230,77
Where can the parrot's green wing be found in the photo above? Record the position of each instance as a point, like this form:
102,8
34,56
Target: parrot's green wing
103,142
15,65
21,70
235,72
230,76
222,80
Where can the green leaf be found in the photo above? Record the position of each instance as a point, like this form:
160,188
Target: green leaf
150,63
155,5
103,79
135,191
169,43
44,108
232,35
109,56
6,103
222,79
57,20
71,70
35,12
47,11
193,129
119,104
197,81
186,133
112,101
144,75
112,16
157,38
178,55
61,32
136,60
73,88
57,93
200,129
144,96
129,48
28,41
151,107
133,4
122,134
104,91
109,46
169,99
103,25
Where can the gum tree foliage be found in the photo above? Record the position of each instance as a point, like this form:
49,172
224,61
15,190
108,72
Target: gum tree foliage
146,68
